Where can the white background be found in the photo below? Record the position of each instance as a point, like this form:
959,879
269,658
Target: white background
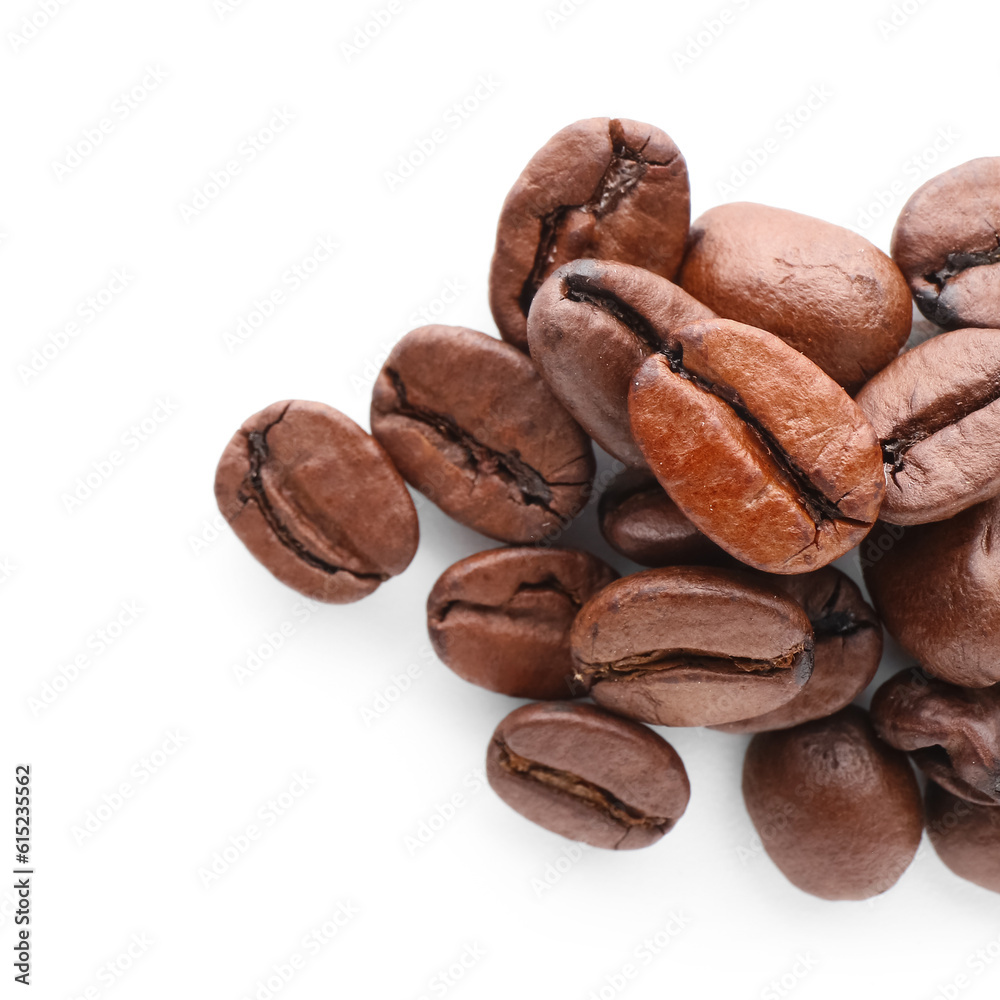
379,770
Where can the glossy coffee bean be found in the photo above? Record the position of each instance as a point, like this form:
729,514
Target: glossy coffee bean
469,422
965,836
609,188
937,589
946,243
691,646
936,410
591,325
951,733
848,637
317,501
640,521
766,454
837,810
588,775
823,289
501,618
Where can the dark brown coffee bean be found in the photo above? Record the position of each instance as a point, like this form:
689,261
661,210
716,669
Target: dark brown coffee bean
826,291
937,588
965,836
951,733
946,243
690,646
469,422
317,501
766,454
588,775
936,410
501,618
602,187
641,522
837,810
591,325
848,637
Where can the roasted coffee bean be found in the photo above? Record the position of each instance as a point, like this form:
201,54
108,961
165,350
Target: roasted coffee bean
966,836
826,291
946,243
691,646
937,588
317,501
641,522
469,422
501,618
848,637
837,810
936,410
591,325
951,733
602,187
588,775
766,454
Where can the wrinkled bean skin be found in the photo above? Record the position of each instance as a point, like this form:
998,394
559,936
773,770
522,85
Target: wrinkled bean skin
469,422
588,775
838,811
966,836
602,187
691,646
640,521
848,637
936,410
501,618
946,244
937,589
951,733
823,289
765,454
317,501
591,325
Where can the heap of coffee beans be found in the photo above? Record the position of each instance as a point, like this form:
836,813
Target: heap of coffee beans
747,371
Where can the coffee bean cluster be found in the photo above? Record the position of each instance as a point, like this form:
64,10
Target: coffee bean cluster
748,372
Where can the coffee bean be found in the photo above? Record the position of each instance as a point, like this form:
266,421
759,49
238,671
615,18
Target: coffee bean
848,637
766,454
588,775
951,733
469,422
501,618
837,811
317,501
691,646
591,325
936,410
826,291
610,188
966,836
947,244
640,521
937,588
